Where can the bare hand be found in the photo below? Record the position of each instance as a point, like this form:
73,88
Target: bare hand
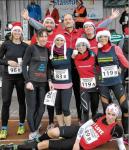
75,53
51,86
76,146
13,63
115,14
25,14
29,86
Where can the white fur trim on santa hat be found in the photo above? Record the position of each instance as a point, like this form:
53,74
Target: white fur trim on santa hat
53,45
49,18
83,40
15,28
88,23
103,33
113,108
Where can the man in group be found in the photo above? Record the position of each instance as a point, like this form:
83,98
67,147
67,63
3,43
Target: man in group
71,34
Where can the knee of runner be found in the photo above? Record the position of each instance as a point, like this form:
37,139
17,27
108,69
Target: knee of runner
124,107
105,99
66,112
58,112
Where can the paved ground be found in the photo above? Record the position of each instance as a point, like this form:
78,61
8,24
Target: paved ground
13,122
18,139
14,106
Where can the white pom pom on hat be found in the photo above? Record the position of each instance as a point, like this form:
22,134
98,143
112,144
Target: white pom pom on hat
16,25
83,40
102,32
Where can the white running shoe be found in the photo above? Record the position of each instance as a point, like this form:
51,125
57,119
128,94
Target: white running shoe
34,135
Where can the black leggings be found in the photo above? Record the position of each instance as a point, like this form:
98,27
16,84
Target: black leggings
63,101
76,89
89,99
69,134
7,90
35,106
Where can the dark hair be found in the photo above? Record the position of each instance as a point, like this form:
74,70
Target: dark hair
40,32
127,5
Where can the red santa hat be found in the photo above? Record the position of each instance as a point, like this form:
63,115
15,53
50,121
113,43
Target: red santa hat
83,40
103,32
88,22
59,35
15,26
126,31
48,17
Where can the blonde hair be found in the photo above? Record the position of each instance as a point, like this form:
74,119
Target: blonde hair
21,37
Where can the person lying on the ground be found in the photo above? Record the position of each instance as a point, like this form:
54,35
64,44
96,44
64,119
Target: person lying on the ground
92,134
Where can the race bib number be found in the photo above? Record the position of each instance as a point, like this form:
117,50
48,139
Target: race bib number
88,83
14,70
61,74
109,71
50,98
90,135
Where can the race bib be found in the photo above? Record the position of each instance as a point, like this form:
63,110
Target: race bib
109,71
90,135
61,74
50,98
88,83
14,70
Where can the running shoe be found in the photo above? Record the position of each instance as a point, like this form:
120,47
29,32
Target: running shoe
21,130
3,134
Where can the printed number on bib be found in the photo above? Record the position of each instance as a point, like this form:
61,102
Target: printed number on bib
50,98
109,71
14,70
90,135
88,82
61,74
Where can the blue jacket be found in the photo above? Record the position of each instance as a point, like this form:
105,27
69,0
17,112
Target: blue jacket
34,11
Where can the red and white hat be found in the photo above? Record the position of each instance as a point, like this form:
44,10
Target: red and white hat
16,25
51,2
88,22
80,1
48,18
53,45
83,40
103,32
113,108
126,31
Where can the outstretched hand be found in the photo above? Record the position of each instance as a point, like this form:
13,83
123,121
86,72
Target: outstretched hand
25,14
115,13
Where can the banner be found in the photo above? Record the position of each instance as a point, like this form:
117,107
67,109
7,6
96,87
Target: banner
94,7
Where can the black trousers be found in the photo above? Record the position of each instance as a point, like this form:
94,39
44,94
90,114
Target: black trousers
69,134
7,90
89,100
63,99
35,105
76,89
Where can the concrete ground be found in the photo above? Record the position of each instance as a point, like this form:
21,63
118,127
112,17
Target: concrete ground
13,123
14,106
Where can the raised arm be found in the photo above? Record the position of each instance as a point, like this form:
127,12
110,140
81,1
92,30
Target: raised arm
107,21
37,25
